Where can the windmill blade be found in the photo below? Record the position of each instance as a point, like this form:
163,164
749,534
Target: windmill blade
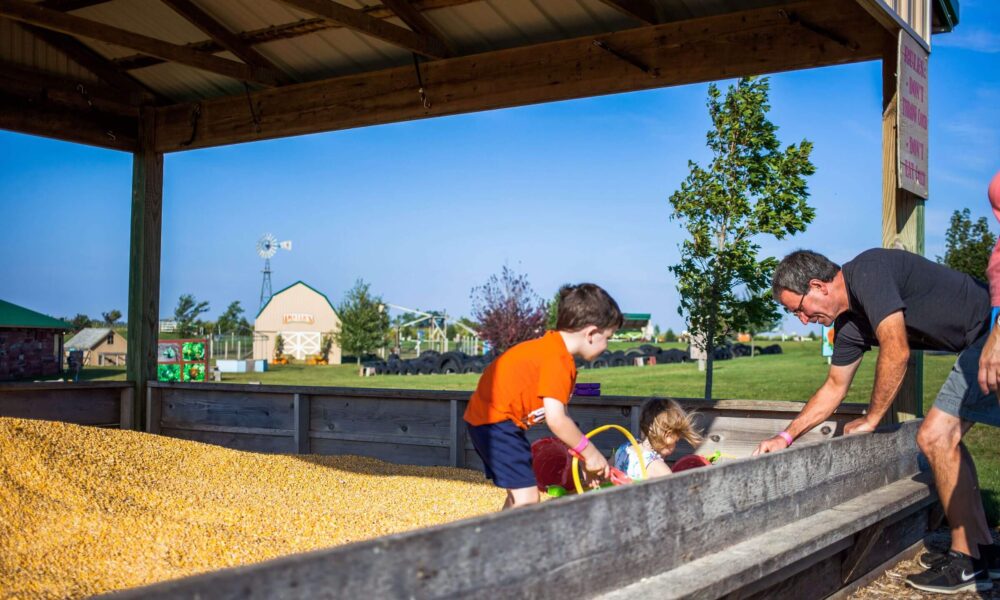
286,245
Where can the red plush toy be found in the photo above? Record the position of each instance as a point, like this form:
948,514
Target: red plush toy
691,461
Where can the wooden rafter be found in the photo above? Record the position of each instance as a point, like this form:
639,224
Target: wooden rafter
745,43
25,12
361,22
90,60
286,31
416,21
224,37
70,5
641,10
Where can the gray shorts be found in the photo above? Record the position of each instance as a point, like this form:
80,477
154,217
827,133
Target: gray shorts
960,395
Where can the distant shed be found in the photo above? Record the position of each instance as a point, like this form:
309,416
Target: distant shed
101,346
31,344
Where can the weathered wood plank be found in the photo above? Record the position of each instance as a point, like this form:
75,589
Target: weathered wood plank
126,402
263,410
413,418
382,438
84,406
744,43
830,490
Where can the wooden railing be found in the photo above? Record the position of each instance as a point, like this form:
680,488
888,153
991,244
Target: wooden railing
423,427
102,404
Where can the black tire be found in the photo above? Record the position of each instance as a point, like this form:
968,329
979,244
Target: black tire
599,363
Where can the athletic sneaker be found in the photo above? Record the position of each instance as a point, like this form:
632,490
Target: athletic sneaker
991,554
956,573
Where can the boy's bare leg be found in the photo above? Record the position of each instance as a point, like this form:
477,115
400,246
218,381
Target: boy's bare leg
521,497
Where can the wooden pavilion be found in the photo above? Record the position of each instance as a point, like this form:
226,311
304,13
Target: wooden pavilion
157,76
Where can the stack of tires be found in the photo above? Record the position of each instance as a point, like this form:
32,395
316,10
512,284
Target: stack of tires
430,362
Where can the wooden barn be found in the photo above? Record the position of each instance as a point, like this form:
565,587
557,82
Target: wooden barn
31,344
301,315
101,346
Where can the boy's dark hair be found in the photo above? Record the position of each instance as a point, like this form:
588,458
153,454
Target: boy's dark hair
796,270
587,304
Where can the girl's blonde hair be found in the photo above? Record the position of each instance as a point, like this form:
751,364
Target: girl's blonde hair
663,418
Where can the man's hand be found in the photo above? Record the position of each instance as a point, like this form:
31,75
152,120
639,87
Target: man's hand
860,425
989,363
771,445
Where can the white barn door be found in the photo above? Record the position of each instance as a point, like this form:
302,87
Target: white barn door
301,343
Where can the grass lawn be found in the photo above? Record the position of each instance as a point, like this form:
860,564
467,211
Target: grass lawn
794,375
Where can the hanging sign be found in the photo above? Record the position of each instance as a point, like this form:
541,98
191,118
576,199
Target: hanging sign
911,113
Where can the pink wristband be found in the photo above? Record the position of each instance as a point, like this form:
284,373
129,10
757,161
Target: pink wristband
583,443
787,437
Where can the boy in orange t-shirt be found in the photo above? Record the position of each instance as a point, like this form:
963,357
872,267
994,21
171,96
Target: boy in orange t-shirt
531,383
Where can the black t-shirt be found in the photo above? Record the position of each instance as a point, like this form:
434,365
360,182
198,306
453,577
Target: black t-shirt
943,309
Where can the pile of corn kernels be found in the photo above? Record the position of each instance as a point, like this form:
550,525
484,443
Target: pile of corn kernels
85,510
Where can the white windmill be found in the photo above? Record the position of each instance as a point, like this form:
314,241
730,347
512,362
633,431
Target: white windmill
267,246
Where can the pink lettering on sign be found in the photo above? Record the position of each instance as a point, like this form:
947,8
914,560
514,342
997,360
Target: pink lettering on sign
912,111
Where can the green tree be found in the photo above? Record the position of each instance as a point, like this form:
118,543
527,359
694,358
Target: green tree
669,335
751,188
363,321
111,317
325,344
553,313
279,346
232,320
80,321
968,245
656,332
186,314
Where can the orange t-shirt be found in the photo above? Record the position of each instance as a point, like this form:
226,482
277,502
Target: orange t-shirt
512,387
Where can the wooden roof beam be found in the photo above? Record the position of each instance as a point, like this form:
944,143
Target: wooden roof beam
75,94
92,127
416,21
225,38
25,12
361,22
751,42
641,10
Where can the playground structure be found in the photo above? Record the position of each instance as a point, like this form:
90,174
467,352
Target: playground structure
436,337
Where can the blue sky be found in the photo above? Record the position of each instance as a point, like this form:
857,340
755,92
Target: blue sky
564,192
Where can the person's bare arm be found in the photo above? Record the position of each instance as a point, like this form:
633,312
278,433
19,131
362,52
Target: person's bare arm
657,468
893,355
819,408
566,430
989,363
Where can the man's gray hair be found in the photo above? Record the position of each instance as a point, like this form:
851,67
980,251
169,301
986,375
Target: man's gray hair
796,270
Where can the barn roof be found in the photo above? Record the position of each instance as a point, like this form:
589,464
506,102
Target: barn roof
14,316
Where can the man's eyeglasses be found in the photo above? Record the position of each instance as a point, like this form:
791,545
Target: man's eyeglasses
798,310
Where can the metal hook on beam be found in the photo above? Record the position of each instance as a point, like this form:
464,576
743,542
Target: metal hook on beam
420,83
652,72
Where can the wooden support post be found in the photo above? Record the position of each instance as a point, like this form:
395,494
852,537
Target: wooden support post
154,409
300,405
902,227
456,446
144,262
127,420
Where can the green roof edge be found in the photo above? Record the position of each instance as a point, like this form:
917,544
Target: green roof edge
266,304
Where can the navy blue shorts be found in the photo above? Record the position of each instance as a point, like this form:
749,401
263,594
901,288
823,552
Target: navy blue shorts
506,454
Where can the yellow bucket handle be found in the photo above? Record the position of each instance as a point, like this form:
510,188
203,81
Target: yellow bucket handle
635,445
